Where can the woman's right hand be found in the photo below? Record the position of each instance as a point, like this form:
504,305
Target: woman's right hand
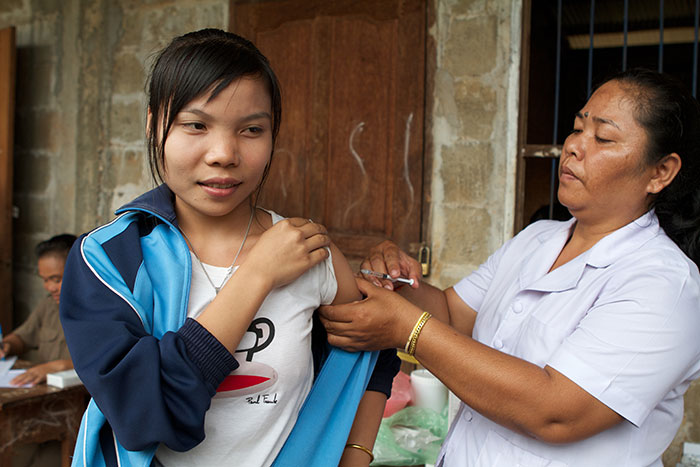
4,349
288,249
388,258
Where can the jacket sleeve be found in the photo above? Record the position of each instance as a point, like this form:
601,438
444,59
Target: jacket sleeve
150,390
387,367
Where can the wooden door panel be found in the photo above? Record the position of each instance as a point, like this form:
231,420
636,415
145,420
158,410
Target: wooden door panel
7,113
350,150
359,132
288,183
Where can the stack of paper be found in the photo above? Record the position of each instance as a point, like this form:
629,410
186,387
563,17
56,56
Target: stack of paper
6,364
7,375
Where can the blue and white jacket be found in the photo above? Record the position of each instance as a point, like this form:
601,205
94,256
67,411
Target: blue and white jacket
150,370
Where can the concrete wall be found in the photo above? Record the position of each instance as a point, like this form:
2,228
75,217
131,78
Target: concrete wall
474,133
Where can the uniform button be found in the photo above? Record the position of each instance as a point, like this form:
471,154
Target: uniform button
517,307
467,415
498,343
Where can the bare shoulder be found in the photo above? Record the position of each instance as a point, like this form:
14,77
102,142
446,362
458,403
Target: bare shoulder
265,218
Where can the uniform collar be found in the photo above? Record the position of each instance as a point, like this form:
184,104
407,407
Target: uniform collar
535,276
624,240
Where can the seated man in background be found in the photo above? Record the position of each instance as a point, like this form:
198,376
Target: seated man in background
40,338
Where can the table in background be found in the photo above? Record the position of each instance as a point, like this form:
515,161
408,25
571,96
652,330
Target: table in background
39,414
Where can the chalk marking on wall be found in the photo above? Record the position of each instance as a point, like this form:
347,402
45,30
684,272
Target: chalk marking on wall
406,175
364,189
358,129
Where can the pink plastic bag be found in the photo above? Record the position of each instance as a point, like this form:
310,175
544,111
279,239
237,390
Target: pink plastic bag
400,394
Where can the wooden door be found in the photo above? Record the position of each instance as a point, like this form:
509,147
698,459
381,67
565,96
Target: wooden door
7,106
350,150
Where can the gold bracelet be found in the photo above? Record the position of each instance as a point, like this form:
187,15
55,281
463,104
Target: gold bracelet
413,338
413,331
424,319
361,448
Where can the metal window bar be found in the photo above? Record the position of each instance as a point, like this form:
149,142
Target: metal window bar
625,25
695,49
696,45
554,162
661,36
589,81
557,80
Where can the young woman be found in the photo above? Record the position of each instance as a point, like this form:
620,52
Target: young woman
190,315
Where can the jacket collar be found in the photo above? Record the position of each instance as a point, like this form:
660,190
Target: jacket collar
158,202
535,276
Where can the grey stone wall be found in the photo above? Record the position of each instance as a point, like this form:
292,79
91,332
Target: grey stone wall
80,150
474,133
44,163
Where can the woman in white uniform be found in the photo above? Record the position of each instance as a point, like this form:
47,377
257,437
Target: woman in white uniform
573,344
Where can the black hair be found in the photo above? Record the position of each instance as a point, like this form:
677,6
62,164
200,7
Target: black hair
204,61
59,245
670,115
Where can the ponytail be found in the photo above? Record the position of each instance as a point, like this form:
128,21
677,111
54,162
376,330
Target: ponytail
671,117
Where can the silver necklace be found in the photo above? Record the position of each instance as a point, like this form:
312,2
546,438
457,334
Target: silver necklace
229,272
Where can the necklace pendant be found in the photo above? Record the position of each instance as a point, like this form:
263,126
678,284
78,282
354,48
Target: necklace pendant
229,272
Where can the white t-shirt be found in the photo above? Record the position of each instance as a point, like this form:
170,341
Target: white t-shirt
256,406
621,321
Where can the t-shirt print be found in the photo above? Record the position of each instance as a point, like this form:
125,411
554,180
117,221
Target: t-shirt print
252,377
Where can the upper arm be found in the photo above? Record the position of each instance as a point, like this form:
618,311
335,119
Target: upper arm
388,363
462,316
637,344
347,287
578,415
28,331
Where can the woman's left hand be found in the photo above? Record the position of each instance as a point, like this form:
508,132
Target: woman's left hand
287,250
382,320
33,376
37,374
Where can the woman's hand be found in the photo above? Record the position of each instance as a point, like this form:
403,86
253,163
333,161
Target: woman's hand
382,320
388,258
32,376
288,249
4,349
37,374
12,344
